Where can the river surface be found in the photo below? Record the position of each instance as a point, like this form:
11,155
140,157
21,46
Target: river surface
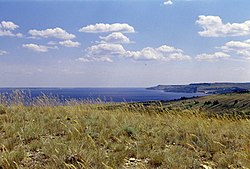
105,94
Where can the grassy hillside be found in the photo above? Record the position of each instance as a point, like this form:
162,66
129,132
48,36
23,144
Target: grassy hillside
98,135
230,103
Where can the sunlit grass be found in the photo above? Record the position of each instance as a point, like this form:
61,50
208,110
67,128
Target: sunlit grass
46,134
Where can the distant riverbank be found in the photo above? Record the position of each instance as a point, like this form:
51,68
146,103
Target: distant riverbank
205,88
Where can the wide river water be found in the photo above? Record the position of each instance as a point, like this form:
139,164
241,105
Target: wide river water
105,94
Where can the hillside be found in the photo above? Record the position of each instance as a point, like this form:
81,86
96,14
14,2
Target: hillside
106,135
206,88
229,103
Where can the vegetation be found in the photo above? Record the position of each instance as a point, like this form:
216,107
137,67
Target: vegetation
46,134
232,104
207,88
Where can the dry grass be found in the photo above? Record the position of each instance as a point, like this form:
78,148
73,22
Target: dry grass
87,135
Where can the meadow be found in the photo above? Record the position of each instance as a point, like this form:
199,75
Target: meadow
92,134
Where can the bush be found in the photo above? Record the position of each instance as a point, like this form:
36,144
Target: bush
216,102
207,103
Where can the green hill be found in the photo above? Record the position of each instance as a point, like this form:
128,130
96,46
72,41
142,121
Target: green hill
230,103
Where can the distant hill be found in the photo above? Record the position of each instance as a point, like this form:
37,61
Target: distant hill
206,88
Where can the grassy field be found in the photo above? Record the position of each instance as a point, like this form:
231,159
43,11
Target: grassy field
47,135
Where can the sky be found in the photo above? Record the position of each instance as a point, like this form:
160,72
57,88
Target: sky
123,43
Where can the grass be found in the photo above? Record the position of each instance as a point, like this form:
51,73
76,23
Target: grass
230,104
46,134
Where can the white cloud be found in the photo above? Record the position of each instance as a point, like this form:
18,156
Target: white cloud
2,52
7,28
236,45
106,49
38,48
6,33
52,43
69,43
238,48
110,46
168,2
101,27
229,49
19,35
51,33
168,49
162,53
214,27
245,53
115,37
8,25
95,59
212,57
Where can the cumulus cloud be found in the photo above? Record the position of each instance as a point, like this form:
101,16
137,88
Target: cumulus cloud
168,2
162,53
241,48
101,28
2,52
69,43
115,37
38,48
106,49
8,25
7,28
6,33
51,33
19,35
236,45
214,27
212,57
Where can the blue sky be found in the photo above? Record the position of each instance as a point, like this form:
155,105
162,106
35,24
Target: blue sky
123,43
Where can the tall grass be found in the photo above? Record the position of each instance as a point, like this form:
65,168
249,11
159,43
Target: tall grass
48,134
